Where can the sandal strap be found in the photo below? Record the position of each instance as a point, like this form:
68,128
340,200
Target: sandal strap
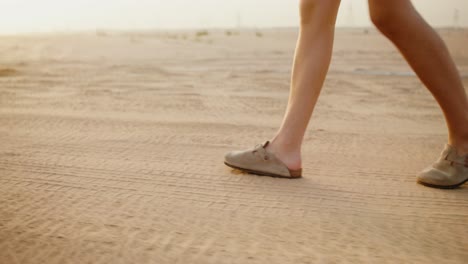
261,148
451,155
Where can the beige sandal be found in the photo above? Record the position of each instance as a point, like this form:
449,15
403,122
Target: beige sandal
448,172
260,161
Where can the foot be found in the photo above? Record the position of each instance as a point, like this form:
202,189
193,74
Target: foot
291,158
448,172
258,160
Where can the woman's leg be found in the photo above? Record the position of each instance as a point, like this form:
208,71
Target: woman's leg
311,62
430,59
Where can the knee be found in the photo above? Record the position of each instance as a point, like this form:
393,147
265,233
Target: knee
384,20
315,8
389,16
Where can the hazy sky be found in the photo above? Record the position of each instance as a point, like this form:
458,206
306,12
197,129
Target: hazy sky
58,15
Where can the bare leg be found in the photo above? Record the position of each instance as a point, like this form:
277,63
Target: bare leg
311,63
430,59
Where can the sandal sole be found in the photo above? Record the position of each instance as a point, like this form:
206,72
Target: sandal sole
261,173
443,186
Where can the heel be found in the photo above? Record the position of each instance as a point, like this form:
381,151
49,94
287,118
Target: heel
295,173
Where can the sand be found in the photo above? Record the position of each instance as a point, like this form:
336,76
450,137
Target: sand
112,149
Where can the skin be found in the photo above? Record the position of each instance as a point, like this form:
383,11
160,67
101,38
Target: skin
419,44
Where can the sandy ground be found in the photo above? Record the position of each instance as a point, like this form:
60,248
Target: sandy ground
112,151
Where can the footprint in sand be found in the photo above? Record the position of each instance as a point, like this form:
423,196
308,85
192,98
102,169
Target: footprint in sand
5,72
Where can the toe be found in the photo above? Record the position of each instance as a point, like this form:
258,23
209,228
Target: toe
231,157
432,176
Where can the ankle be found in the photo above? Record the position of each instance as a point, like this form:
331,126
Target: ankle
460,143
285,145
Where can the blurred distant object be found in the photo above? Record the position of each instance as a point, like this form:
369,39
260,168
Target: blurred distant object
202,33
